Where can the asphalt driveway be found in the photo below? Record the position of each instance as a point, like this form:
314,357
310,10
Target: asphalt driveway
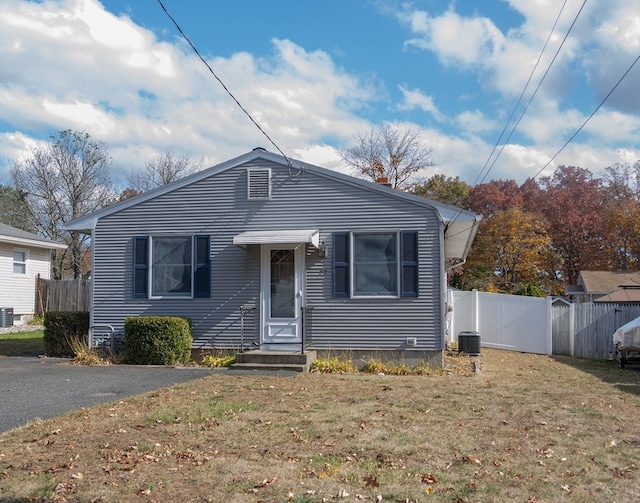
34,388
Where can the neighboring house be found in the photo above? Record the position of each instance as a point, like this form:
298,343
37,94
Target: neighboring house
23,256
629,292
593,286
365,262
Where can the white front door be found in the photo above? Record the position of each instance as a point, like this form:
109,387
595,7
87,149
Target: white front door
282,296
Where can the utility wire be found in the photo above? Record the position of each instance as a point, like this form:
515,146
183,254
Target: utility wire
578,130
223,84
588,118
535,90
521,96
480,178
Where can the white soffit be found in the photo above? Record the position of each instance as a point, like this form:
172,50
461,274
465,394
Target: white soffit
458,238
310,236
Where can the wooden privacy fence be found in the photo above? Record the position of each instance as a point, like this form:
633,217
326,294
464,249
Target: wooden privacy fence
586,330
62,295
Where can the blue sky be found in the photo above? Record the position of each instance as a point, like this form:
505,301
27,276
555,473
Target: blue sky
315,73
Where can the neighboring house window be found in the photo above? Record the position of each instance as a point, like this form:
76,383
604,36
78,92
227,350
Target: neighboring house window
175,266
381,264
20,261
258,183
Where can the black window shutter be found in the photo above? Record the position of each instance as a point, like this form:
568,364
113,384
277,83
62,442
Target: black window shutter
202,273
409,254
341,264
141,266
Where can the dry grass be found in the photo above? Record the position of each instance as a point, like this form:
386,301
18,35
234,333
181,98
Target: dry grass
527,429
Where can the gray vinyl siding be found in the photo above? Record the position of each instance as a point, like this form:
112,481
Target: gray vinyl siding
218,206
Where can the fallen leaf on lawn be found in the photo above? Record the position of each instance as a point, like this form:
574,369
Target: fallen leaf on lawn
265,483
428,478
371,481
472,459
78,476
621,472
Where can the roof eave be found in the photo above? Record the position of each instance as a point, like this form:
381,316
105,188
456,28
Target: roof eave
33,243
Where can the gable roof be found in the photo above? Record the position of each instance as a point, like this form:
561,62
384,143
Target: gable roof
16,236
460,225
630,292
605,282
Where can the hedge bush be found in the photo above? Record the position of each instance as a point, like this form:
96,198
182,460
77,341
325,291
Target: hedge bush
157,340
63,329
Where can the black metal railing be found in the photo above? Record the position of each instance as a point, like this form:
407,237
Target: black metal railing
307,326
247,324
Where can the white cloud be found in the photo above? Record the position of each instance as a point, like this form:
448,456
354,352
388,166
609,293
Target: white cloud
455,39
413,98
474,121
72,65
126,90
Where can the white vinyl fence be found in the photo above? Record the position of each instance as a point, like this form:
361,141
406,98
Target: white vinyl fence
511,322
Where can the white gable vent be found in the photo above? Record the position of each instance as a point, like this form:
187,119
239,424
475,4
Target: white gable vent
259,183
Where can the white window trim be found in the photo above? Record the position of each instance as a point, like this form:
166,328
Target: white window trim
352,268
26,261
183,296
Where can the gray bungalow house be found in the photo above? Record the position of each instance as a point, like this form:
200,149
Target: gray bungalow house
260,253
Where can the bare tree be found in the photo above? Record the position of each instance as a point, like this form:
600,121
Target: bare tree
389,151
166,168
13,209
60,181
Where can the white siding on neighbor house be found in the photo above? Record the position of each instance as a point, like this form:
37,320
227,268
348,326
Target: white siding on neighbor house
218,206
18,290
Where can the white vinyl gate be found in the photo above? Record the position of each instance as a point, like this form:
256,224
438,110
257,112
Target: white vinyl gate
511,322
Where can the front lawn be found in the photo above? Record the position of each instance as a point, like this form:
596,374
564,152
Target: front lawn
527,428
22,343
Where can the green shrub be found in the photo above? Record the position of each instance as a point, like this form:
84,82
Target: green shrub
62,330
375,367
332,365
157,340
218,361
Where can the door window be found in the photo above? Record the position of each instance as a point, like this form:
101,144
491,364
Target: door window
283,284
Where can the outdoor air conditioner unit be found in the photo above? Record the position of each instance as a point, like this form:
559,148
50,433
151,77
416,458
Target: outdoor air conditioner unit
6,317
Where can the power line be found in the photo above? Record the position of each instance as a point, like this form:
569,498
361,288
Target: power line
520,98
588,118
480,178
536,90
576,132
223,84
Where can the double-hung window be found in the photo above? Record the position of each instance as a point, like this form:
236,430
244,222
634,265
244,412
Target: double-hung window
19,261
171,266
375,264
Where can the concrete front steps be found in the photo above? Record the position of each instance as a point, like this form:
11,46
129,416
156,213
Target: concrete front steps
259,359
